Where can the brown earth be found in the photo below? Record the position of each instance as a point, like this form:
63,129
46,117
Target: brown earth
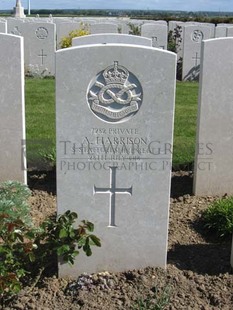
198,274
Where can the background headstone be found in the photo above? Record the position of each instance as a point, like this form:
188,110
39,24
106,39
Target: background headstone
12,124
64,28
230,31
111,38
214,160
39,42
192,38
3,26
114,135
14,26
157,32
221,30
103,28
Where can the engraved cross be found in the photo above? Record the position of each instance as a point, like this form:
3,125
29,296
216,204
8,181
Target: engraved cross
42,56
197,59
112,190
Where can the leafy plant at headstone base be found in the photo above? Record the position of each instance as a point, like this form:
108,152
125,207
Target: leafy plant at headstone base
134,29
13,201
49,158
158,301
26,251
218,217
82,31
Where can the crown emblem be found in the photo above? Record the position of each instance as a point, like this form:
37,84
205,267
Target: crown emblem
115,74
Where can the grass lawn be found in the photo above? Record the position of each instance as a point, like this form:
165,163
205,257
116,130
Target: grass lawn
40,120
185,123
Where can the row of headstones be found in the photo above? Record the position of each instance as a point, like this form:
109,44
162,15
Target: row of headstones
40,37
114,119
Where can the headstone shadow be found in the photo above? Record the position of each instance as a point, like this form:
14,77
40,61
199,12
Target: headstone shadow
211,259
193,74
181,184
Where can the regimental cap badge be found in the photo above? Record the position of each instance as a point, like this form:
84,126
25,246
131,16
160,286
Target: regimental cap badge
115,94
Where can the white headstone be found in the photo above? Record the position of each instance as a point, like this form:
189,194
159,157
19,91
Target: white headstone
14,26
40,46
214,160
3,26
157,32
220,31
124,26
111,38
12,124
64,28
103,28
114,135
192,38
230,31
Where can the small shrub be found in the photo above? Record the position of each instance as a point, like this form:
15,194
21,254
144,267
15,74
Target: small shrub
26,250
174,39
82,31
49,158
134,29
219,217
13,201
158,301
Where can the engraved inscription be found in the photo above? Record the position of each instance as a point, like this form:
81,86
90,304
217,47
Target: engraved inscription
115,95
112,190
41,33
197,36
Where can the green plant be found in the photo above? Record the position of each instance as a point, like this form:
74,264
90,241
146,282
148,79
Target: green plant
58,236
219,217
82,31
15,249
49,157
26,250
174,39
134,29
158,301
13,201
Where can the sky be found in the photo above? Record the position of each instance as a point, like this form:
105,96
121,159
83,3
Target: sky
176,5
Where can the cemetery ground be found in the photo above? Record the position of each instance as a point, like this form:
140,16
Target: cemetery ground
198,274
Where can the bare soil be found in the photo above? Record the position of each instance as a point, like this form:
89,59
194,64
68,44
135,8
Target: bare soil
198,274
